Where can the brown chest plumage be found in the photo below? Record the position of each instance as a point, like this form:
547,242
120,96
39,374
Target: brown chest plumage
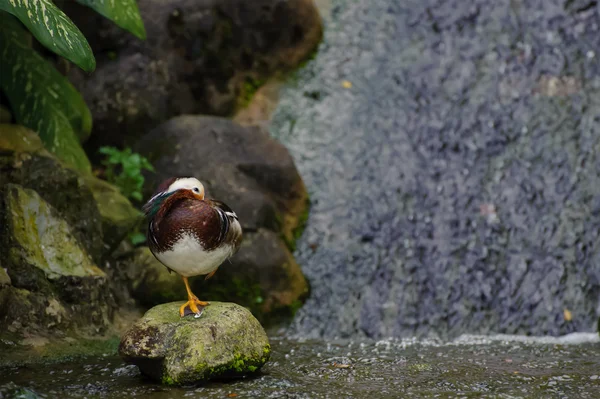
205,220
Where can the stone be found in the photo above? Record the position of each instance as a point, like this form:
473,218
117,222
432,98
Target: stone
262,276
150,281
25,162
226,341
119,216
19,139
200,56
39,238
51,274
266,191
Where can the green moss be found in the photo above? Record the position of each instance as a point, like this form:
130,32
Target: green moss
295,306
249,89
240,365
166,380
44,239
310,57
297,232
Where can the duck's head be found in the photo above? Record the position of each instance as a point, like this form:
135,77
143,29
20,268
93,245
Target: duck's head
170,187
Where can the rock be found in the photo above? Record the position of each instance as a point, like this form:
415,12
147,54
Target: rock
99,215
200,57
51,274
19,139
24,161
262,276
150,281
226,341
230,160
38,237
119,217
56,228
267,193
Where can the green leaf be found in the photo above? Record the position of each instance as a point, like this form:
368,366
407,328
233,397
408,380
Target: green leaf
40,97
53,29
137,238
124,13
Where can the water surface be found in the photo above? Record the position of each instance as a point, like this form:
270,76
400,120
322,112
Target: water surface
471,366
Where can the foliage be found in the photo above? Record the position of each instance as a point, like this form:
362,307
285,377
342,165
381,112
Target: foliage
53,29
125,14
124,169
137,237
40,97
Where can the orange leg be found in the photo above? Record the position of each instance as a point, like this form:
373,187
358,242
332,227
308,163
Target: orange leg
209,275
193,301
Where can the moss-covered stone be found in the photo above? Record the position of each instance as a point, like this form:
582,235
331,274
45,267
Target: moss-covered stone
226,341
21,140
24,161
150,281
38,237
119,216
55,285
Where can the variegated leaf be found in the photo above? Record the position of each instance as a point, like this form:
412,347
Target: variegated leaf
53,29
124,13
40,97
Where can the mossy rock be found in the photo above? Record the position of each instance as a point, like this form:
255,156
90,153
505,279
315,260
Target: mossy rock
226,341
119,216
54,282
40,238
150,282
25,162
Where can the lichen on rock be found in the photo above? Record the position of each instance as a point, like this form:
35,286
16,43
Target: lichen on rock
42,240
226,341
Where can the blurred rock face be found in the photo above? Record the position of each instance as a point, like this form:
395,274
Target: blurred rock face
451,149
199,57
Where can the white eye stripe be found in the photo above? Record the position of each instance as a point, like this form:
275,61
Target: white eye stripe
189,183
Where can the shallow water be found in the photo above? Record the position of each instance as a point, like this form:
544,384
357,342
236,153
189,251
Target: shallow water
470,366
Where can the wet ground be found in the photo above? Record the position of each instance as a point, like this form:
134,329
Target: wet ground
450,148
471,366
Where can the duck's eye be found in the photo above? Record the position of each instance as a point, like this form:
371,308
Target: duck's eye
196,190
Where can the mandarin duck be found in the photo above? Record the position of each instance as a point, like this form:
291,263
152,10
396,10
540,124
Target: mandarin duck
189,234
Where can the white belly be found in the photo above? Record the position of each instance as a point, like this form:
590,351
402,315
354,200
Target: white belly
188,258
